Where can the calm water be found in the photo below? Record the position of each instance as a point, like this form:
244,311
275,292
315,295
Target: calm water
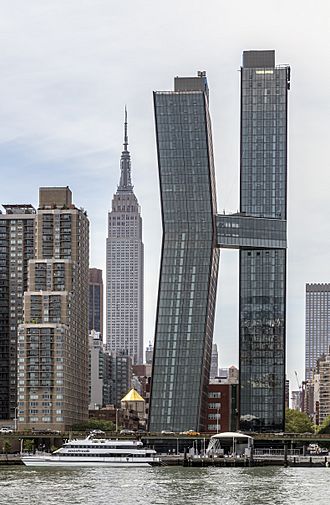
170,486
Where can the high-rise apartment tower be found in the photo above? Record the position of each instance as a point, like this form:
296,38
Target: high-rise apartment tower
16,248
95,301
262,270
317,325
189,263
124,264
53,340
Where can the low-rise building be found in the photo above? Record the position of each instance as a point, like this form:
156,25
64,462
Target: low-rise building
296,400
133,402
222,413
99,372
324,387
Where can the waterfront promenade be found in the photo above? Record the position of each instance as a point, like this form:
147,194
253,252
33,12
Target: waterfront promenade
279,449
260,458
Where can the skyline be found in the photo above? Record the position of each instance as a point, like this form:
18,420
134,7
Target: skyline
63,93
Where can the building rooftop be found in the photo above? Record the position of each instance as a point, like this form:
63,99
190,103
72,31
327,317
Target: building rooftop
23,208
132,396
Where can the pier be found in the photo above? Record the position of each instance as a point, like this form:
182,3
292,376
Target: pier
235,461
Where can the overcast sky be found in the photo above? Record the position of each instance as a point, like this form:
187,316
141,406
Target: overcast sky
68,67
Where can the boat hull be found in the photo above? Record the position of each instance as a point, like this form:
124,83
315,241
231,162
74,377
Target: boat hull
38,461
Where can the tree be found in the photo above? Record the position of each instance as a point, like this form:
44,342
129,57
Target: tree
297,422
95,424
6,447
325,426
28,445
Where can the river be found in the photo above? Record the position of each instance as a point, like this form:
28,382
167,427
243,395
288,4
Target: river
165,485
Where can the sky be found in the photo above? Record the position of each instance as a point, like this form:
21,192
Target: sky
68,67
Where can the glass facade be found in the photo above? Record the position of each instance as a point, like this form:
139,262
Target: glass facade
192,236
239,230
264,89
189,263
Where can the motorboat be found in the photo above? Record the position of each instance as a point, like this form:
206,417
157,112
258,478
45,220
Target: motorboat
96,452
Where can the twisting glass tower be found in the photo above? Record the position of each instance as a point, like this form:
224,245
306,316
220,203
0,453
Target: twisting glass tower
189,264
124,266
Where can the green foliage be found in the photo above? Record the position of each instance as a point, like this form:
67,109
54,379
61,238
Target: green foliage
94,424
28,445
6,446
325,426
297,422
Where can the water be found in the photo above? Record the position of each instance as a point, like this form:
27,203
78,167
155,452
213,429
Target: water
165,485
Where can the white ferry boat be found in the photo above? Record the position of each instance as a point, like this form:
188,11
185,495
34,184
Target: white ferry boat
96,452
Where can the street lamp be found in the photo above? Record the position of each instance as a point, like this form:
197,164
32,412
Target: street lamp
15,419
218,409
117,420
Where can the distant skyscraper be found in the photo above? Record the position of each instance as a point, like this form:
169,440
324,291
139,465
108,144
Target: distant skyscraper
149,354
95,301
296,400
124,264
317,325
121,376
99,372
214,370
53,340
16,248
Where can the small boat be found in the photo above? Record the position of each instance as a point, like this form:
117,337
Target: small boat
96,452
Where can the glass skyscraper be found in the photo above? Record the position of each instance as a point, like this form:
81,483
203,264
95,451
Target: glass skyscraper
262,271
189,264
193,234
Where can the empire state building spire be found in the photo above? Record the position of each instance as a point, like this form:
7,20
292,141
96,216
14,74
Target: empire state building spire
125,183
125,268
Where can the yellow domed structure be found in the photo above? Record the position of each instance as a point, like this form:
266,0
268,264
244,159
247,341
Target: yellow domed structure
134,401
132,396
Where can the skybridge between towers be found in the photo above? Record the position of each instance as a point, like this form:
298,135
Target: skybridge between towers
237,231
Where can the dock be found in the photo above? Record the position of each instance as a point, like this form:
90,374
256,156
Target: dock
235,461
230,461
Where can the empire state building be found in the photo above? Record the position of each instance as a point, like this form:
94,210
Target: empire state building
124,266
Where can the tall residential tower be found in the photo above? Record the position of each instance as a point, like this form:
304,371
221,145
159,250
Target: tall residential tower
16,248
262,270
317,325
124,265
193,232
189,262
95,301
53,340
